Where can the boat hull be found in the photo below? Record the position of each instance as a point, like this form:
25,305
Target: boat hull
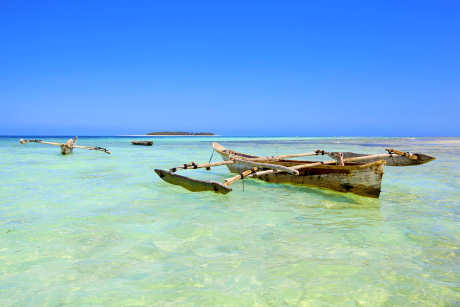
66,150
142,143
363,179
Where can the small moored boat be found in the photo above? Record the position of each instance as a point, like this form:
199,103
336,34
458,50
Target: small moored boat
66,148
143,143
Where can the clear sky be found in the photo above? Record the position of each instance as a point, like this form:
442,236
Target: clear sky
306,68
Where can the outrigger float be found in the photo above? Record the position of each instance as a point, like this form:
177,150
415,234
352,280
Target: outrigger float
360,174
66,148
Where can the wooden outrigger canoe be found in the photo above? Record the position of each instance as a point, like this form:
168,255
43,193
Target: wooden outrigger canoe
66,148
355,173
363,179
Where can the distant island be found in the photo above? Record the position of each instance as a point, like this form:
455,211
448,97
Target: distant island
180,133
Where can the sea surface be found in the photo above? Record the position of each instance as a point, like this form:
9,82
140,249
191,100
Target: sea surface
92,229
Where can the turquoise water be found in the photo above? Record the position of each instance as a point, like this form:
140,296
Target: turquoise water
96,230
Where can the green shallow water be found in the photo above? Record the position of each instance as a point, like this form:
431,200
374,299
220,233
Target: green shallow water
96,230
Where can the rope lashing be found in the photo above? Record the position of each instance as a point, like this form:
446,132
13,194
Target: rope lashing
212,155
340,159
253,170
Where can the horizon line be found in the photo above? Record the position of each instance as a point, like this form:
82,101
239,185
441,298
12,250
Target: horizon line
219,135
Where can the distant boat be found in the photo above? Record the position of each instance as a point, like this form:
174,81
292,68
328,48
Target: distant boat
144,143
66,148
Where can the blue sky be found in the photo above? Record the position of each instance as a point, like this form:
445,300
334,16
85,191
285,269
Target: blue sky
300,68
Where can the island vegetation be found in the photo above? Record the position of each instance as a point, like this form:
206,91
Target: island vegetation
179,133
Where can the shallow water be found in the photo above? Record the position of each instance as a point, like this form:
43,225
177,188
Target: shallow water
93,229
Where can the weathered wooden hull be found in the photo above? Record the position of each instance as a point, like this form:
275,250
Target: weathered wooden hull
363,179
66,150
393,159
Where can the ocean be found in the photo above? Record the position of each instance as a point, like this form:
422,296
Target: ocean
91,229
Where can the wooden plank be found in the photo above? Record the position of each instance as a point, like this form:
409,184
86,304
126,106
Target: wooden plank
22,141
244,174
193,165
280,168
